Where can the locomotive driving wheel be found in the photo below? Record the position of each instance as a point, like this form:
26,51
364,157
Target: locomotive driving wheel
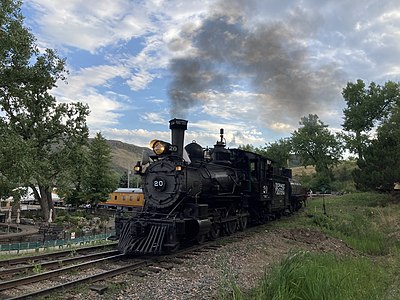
215,231
242,219
242,223
230,222
230,227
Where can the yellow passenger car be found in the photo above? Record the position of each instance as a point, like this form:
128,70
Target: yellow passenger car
125,199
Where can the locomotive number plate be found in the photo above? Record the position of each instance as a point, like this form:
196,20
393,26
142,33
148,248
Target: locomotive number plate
159,184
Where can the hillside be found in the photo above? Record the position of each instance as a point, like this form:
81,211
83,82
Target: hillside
124,155
297,172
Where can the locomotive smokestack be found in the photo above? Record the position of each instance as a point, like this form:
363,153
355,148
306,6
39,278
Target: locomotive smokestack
178,127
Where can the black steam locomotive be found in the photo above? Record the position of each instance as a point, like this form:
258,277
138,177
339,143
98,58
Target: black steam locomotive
193,194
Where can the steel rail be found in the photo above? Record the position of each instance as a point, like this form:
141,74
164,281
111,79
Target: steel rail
190,251
47,275
88,279
57,263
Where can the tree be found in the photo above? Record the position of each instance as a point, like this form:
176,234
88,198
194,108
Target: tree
366,107
71,184
31,116
100,180
314,143
134,180
248,147
381,164
279,151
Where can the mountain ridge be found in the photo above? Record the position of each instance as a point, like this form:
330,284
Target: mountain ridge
124,155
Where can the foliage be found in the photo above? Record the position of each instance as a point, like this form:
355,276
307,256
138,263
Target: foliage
366,107
100,180
253,149
134,180
279,151
381,164
314,143
31,118
71,187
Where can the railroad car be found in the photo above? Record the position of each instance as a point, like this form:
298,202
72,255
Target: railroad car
125,199
193,193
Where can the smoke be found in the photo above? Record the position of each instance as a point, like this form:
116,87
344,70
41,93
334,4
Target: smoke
231,49
191,77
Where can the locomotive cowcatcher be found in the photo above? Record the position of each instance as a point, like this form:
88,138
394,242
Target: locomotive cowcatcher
194,193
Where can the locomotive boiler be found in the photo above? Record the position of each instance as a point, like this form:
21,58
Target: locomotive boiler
193,193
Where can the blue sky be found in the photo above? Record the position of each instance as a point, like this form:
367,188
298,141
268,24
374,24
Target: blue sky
251,67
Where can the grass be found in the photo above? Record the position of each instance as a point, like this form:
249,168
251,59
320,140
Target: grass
367,222
323,276
364,221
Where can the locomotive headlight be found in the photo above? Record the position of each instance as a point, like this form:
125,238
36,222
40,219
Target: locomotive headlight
160,147
157,146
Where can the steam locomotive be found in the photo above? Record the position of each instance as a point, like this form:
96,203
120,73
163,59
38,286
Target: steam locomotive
194,193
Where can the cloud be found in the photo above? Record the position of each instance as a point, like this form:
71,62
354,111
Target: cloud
260,65
140,80
206,133
139,137
90,24
155,117
83,87
282,127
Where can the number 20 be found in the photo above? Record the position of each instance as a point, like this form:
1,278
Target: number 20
158,183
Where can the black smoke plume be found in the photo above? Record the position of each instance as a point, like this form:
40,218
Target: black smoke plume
230,49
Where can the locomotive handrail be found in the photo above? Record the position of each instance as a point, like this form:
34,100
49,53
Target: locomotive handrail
175,207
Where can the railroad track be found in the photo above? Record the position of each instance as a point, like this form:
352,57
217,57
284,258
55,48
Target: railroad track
48,265
150,264
26,281
52,255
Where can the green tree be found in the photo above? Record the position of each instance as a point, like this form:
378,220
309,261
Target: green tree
31,116
316,145
71,184
381,164
279,151
100,179
366,107
134,180
248,147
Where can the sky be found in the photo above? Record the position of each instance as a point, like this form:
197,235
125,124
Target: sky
252,67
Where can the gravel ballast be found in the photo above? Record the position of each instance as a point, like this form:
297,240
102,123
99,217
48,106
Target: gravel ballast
211,274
